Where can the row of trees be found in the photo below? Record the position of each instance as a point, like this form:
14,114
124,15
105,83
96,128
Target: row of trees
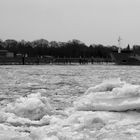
42,47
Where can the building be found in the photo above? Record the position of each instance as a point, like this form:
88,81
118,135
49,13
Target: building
5,53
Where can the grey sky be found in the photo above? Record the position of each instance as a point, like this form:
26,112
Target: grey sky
91,21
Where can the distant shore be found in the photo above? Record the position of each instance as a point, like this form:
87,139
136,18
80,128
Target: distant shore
43,61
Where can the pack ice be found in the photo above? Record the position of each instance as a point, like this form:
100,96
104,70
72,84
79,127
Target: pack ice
108,111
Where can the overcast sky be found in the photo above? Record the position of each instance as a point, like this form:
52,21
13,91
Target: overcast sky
91,21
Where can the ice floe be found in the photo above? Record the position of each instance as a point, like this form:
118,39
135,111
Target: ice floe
110,96
34,107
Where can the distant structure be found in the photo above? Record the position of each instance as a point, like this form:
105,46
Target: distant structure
5,53
119,44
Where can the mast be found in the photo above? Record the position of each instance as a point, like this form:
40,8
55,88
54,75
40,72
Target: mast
119,44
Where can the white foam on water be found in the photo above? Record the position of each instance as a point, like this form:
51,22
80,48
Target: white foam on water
108,111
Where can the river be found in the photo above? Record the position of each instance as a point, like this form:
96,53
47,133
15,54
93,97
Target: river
36,99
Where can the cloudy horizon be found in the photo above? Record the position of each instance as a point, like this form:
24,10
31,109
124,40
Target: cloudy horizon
91,21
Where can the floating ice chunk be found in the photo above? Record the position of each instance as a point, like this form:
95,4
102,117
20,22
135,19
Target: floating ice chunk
86,120
8,132
107,85
34,107
71,127
39,134
12,135
88,125
14,120
117,96
127,90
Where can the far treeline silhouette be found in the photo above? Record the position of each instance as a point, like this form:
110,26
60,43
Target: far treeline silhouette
70,49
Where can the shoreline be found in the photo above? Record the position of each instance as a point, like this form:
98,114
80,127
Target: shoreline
56,61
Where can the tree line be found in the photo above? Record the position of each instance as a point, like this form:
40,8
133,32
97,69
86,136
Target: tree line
70,49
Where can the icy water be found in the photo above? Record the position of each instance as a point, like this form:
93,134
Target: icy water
52,102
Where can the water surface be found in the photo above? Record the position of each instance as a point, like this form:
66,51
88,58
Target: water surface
61,85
